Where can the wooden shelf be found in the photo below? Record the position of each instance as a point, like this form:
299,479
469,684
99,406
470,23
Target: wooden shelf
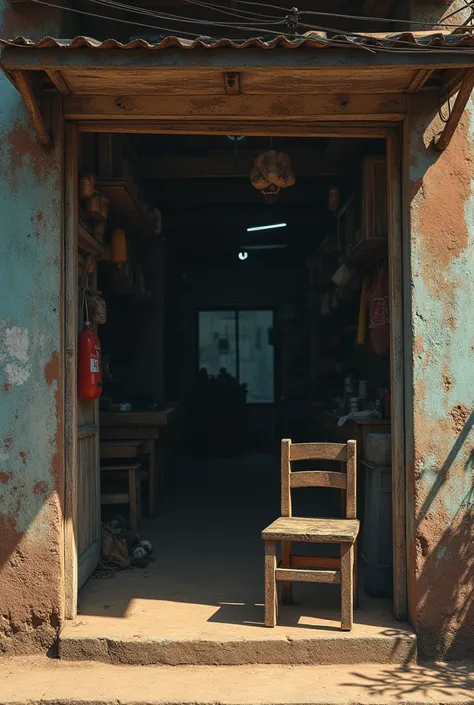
126,205
87,243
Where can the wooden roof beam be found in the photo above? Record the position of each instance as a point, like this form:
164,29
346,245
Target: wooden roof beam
23,83
229,60
419,80
445,137
58,81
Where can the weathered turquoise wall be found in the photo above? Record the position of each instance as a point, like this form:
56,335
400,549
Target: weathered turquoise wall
440,298
31,396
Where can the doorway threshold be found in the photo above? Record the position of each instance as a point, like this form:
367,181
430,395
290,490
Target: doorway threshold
173,633
200,602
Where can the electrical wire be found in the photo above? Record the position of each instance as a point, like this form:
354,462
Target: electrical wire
362,17
112,19
233,13
181,18
173,32
243,26
352,35
389,19
332,42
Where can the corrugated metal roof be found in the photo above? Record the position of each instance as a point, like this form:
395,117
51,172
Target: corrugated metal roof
312,40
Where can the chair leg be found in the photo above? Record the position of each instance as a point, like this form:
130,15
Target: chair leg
151,479
347,586
139,498
270,584
287,586
132,498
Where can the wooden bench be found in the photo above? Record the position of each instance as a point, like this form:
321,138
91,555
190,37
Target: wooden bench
132,497
287,528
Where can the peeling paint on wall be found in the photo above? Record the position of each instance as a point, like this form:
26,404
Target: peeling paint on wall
441,205
30,403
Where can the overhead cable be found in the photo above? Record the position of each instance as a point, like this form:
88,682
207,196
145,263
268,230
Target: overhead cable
378,47
182,18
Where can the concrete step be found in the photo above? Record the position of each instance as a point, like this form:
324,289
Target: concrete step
114,627
397,646
34,681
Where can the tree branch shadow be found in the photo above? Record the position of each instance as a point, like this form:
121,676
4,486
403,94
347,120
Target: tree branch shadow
426,681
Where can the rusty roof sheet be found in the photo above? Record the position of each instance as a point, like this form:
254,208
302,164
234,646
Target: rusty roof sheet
314,40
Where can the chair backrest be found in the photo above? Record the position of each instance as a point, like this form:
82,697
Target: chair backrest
345,453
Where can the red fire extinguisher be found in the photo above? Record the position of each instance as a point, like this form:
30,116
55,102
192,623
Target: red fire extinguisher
89,365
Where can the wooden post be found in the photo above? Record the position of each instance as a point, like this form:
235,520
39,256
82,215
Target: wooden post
70,411
397,386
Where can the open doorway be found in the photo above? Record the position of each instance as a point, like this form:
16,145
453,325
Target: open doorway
235,318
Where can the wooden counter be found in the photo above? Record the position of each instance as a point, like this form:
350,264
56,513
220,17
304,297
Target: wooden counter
141,419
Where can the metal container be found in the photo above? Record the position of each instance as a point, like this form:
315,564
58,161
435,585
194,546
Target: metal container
363,389
353,405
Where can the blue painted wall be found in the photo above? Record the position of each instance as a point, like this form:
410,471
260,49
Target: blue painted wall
31,397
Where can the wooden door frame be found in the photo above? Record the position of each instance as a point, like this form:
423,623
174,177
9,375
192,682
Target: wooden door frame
71,212
392,134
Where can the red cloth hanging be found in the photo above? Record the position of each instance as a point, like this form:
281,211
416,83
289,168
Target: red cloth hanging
379,320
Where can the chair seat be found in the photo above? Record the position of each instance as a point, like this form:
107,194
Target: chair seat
312,530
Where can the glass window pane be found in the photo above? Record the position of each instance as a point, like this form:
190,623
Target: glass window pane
217,341
256,355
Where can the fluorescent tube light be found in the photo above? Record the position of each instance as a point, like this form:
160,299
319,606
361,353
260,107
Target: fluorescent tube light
266,227
249,248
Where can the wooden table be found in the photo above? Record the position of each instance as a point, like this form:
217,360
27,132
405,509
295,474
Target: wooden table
125,449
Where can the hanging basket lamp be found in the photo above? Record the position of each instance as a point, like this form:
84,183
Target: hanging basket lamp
272,172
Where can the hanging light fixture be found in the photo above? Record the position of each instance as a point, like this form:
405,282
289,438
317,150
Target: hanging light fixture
272,172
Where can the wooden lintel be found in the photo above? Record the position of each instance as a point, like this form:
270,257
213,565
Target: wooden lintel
23,83
445,137
419,80
276,127
259,107
58,80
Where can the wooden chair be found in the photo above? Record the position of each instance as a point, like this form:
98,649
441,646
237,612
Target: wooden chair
288,528
132,497
149,438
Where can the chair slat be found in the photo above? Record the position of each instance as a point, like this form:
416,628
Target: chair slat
308,576
318,478
329,562
318,451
